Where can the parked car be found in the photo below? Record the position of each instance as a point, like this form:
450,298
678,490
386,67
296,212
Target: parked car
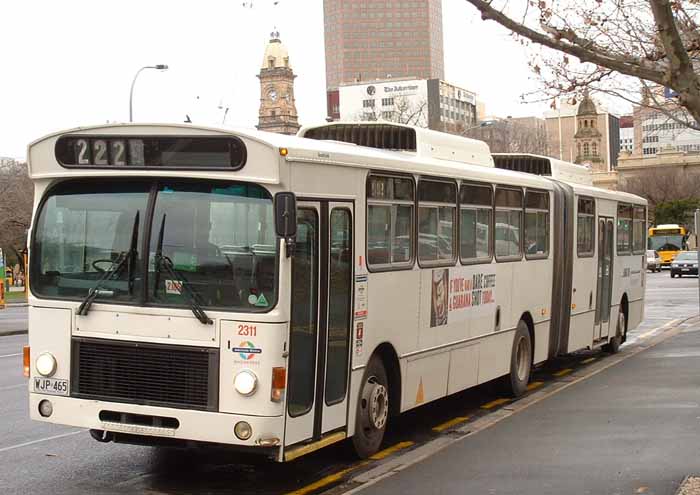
653,261
685,263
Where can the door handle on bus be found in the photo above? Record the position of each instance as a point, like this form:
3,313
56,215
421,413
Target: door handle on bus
590,300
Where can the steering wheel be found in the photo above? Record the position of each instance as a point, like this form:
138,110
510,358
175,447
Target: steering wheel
101,270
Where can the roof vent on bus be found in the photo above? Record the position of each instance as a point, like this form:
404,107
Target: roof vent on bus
530,164
545,166
382,136
425,143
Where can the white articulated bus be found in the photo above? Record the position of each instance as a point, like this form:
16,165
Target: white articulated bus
278,294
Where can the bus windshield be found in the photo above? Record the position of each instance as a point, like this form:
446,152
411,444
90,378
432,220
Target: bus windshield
666,242
218,238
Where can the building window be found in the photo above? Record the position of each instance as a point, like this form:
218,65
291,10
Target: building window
594,149
387,102
368,103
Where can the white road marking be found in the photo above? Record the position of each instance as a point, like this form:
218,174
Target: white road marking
26,444
11,355
13,386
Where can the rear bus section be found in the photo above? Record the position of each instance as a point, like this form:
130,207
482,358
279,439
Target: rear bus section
157,307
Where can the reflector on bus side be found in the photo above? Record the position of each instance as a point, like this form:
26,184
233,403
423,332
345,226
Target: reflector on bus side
279,384
25,360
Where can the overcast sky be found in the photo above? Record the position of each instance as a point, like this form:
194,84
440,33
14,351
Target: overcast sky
69,63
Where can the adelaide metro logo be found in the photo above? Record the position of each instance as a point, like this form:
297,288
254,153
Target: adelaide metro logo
247,350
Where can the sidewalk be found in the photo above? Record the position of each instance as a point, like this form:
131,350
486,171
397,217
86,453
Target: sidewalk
632,428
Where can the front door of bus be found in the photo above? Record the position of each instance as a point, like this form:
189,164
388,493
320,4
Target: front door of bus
319,344
606,228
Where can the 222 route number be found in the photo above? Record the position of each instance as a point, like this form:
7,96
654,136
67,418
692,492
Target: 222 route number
248,330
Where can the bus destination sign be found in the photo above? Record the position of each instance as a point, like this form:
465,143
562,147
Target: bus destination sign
152,151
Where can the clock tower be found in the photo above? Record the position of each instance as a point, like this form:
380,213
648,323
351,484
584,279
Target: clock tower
278,113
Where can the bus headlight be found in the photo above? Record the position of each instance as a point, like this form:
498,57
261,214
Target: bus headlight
245,382
46,364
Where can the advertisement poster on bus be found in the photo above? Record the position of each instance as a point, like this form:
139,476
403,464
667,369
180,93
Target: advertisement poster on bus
456,294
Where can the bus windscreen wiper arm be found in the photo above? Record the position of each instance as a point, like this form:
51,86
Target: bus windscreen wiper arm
115,269
166,263
95,290
197,310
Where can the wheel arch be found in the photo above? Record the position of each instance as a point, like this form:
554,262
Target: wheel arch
386,352
625,308
527,318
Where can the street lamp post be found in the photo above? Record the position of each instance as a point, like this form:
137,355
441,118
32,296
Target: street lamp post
131,92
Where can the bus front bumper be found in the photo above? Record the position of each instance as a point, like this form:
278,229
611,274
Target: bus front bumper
153,422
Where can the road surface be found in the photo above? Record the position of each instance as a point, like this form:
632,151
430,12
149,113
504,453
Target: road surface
44,458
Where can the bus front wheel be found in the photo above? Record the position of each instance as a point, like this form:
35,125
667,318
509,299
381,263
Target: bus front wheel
372,409
520,361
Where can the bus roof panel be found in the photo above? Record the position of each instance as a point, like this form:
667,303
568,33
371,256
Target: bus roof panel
470,163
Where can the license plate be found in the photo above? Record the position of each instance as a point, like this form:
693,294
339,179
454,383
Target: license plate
685,269
51,386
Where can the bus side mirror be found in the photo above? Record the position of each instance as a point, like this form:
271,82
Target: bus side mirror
286,219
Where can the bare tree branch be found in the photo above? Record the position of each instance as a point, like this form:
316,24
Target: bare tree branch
617,44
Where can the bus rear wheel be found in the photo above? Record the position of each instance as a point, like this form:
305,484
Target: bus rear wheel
372,409
613,347
520,361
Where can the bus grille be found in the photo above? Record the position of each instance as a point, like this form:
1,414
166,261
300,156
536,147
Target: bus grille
140,373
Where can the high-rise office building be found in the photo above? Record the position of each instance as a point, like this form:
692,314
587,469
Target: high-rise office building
368,40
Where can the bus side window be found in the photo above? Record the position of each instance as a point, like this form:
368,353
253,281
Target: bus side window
509,214
437,207
475,210
390,222
624,229
536,224
639,229
585,227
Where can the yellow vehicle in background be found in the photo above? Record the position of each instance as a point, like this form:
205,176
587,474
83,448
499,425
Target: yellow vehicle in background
668,240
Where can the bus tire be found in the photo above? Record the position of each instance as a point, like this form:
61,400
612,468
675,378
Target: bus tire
613,347
520,361
372,409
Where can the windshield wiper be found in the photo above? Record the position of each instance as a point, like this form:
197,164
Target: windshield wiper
116,268
166,263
